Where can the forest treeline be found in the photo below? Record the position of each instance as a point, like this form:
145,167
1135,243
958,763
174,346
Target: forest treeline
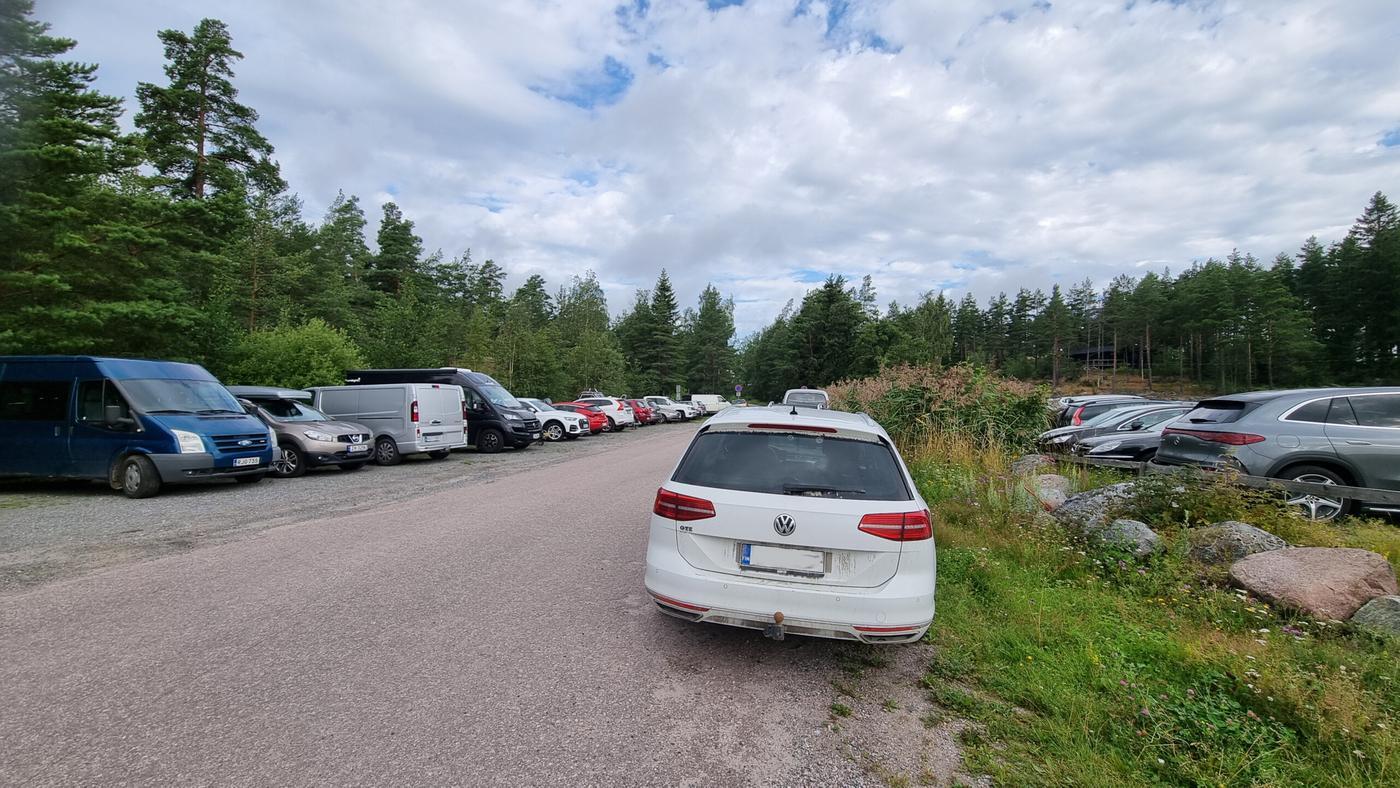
181,240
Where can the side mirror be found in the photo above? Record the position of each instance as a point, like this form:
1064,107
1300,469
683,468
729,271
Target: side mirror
112,417
1135,426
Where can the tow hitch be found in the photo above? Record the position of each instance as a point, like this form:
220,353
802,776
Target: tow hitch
775,629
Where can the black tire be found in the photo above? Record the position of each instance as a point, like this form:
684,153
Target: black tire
611,426
665,419
440,454
386,452
139,477
490,440
554,432
252,478
1314,507
291,465
352,466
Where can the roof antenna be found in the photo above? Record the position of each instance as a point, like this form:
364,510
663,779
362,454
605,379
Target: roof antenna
794,410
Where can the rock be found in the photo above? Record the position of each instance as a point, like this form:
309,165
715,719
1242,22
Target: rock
1227,542
1130,535
1381,616
1092,510
1329,583
1032,464
1049,489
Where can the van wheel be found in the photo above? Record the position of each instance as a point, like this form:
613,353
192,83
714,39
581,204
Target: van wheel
554,431
489,441
440,454
386,452
139,477
290,465
1317,507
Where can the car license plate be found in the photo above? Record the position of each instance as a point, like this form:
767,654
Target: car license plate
358,447
245,461
430,438
759,556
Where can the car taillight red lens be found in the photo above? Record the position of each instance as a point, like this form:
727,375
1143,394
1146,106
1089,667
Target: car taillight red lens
413,411
1230,438
1077,413
899,526
681,507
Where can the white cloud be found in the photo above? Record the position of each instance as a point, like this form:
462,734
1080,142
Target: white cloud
933,146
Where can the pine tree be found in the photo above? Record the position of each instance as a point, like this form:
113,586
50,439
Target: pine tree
709,355
662,350
399,253
198,136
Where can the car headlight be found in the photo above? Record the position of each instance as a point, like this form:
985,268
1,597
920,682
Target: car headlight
1062,439
513,417
317,435
1106,447
190,443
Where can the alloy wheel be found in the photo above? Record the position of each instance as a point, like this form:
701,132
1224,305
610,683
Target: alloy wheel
1316,507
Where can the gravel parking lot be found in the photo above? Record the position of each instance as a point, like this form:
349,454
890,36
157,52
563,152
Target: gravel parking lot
52,530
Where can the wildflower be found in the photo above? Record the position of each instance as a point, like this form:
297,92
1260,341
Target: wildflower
1359,754
1250,714
1145,712
1161,762
1123,682
1190,693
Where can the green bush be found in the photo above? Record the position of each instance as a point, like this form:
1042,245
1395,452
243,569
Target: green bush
311,354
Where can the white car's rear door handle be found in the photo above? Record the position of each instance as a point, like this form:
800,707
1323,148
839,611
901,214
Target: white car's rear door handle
1358,443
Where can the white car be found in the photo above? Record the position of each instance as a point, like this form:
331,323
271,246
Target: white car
806,398
619,413
556,425
670,411
806,524
712,403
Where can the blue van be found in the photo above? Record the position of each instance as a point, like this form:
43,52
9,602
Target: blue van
133,423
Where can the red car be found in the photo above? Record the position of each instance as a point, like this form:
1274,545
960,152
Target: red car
643,412
597,421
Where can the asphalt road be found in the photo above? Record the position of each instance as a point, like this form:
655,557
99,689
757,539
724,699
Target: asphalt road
493,632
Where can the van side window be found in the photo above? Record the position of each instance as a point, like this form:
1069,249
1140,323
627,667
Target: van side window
35,400
1380,410
472,399
94,396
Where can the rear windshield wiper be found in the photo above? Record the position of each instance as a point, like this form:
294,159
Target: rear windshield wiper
798,489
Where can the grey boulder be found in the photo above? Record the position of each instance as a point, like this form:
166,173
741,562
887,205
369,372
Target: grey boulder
1050,490
1227,542
1329,583
1381,616
1031,464
1130,535
1092,510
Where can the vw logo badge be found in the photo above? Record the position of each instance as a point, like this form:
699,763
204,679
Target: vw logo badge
784,525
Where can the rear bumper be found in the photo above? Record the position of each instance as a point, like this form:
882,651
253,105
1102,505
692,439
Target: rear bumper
190,468
900,611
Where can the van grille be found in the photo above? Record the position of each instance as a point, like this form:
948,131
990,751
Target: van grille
255,441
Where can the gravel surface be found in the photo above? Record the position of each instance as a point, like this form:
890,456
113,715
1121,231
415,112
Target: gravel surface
51,530
482,621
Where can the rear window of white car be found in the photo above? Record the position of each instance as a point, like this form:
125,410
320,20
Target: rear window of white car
786,463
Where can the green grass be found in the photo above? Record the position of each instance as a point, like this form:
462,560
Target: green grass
1088,670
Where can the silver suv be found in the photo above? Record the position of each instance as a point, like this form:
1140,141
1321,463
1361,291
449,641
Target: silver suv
306,437
1326,436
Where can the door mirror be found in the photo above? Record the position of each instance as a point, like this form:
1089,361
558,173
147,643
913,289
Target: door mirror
1136,425
478,406
113,419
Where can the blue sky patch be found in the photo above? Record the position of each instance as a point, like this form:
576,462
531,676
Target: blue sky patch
716,5
490,202
1391,138
809,275
605,86
587,178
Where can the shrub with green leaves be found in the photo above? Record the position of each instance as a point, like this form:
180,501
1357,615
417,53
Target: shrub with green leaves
311,354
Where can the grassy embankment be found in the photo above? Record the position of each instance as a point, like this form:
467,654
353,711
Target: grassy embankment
1093,669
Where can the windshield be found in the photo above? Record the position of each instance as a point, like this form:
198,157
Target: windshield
785,463
162,395
1108,416
290,410
660,401
805,398
533,404
499,396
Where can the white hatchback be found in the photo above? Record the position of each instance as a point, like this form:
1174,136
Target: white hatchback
794,522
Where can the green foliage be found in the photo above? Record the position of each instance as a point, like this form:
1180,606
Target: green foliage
310,354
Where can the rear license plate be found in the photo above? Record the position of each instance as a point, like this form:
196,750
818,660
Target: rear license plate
760,556
245,461
358,447
430,438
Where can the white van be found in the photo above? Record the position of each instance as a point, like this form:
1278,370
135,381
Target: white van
404,418
712,403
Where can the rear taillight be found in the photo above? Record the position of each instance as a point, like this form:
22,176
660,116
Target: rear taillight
1230,438
681,507
1079,411
620,406
899,526
665,600
413,411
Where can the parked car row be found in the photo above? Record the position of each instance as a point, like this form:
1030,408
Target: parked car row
1328,436
141,424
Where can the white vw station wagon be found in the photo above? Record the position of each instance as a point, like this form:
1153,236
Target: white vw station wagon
793,521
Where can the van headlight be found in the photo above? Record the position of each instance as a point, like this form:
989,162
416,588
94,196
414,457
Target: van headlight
513,417
190,443
317,435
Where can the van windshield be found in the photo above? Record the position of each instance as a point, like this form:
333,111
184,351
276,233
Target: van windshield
163,395
499,396
806,399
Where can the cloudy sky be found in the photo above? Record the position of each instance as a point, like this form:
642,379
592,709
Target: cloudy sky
760,145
